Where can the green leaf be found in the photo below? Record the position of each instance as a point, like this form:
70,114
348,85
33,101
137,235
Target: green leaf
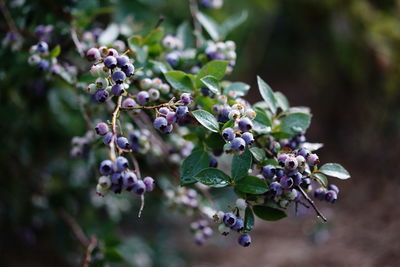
295,123
209,25
281,101
196,161
215,141
267,94
109,35
321,178
212,83
252,185
135,45
216,68
206,102
258,153
241,165
163,68
154,37
55,52
112,255
232,22
261,123
212,177
184,33
335,170
248,220
179,80
228,124
206,119
312,146
268,213
239,88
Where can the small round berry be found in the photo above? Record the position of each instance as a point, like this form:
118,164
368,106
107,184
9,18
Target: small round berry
248,138
301,161
303,152
121,163
168,129
122,142
199,238
101,96
112,52
229,219
107,138
205,91
269,171
106,167
128,179
241,204
116,188
234,114
154,94
223,229
331,196
116,178
101,128
238,144
313,160
283,203
286,182
139,187
171,117
103,51
128,69
160,123
291,163
143,97
42,47
110,62
104,182
292,194
118,77
276,188
238,226
93,54
213,162
43,65
164,88
305,183
164,111
149,183
128,103
181,111
172,59
34,59
245,124
117,89
334,188
282,158
207,232
228,134
296,178
320,193
186,99
122,61
244,240
101,83
146,83
279,173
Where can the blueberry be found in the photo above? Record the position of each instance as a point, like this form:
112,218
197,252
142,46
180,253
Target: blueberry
282,158
101,128
104,182
128,69
205,91
106,167
276,188
122,61
112,52
128,179
116,178
331,196
128,103
291,163
238,144
213,162
228,134
199,238
101,96
107,138
143,97
160,123
168,129
182,111
93,54
122,142
303,152
149,183
116,188
320,193
280,173
300,138
245,124
313,160
334,188
117,90
154,94
248,138
229,219
118,76
244,240
286,182
268,171
172,58
207,232
305,183
164,110
110,62
42,47
139,187
296,178
238,226
186,99
121,163
43,65
171,117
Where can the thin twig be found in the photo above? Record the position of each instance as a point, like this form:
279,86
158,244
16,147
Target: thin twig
76,229
309,200
194,11
141,205
168,104
115,115
76,41
87,256
159,21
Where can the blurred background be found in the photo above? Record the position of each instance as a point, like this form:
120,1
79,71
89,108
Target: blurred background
340,58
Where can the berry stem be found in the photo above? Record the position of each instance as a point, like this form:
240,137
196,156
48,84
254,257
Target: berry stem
311,203
87,257
168,104
114,128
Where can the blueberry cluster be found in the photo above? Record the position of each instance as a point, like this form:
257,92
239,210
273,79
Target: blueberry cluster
80,145
329,194
154,87
183,199
295,142
222,51
201,231
230,221
40,57
112,72
116,176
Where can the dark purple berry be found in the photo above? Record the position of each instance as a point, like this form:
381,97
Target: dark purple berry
110,62
286,182
107,138
43,65
268,171
313,160
229,219
128,103
160,123
101,96
238,226
334,188
186,99
122,61
245,124
122,142
244,240
128,179
139,187
182,111
164,111
331,196
291,163
282,158
303,152
116,178
149,183
276,188
248,138
320,193
117,90
280,173
238,144
129,69
93,54
118,77
101,128
143,97
121,163
228,134
213,162
171,117
42,47
106,167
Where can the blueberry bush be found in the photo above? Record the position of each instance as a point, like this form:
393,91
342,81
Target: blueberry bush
161,116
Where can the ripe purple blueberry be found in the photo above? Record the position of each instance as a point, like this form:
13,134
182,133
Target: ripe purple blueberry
93,54
248,138
149,183
128,69
164,110
42,47
171,117
229,219
182,111
101,95
331,196
313,160
238,226
286,182
320,193
128,179
43,65
282,158
244,240
334,188
291,163
117,90
160,123
128,103
303,152
116,178
276,188
122,142
121,163
245,124
118,77
213,162
110,62
107,138
106,167
228,134
143,97
269,171
238,144
186,99
168,129
139,187
101,128
122,61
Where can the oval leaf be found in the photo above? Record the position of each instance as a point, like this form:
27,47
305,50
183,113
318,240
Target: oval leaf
248,220
212,83
216,68
179,80
295,123
321,178
240,89
206,119
212,177
335,170
268,213
241,165
267,94
209,25
252,185
258,153
196,161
